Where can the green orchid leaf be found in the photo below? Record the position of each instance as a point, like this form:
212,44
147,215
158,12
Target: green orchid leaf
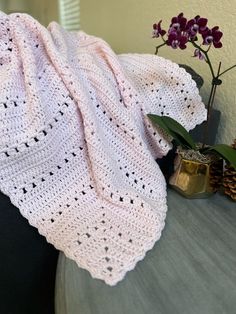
159,121
225,151
180,130
174,129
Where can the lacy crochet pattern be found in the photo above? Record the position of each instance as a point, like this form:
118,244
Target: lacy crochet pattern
77,152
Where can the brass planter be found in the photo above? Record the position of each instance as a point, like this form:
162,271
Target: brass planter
195,179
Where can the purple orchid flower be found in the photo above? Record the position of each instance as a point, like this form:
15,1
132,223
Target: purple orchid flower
177,35
199,54
196,25
176,39
212,36
178,23
157,30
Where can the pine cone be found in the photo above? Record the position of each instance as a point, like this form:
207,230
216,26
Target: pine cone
216,174
229,179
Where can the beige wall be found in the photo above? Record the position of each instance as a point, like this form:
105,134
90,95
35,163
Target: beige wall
44,11
127,25
3,5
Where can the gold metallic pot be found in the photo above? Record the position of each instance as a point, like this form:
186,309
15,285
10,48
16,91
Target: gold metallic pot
195,179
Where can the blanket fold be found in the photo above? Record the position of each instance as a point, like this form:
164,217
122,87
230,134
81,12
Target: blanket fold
77,152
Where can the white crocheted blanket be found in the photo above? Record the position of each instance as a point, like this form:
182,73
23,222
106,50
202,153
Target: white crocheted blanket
77,152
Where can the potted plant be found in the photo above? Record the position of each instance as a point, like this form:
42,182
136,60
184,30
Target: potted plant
198,166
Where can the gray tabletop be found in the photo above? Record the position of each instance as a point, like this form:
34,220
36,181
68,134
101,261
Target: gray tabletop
191,269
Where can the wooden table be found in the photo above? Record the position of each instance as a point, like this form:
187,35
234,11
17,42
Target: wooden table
191,269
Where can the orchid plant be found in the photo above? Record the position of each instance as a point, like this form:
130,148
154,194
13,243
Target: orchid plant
195,32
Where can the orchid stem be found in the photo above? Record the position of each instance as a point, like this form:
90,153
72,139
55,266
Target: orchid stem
210,100
233,66
210,106
157,47
207,58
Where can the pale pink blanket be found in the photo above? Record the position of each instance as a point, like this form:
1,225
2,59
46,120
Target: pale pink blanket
77,153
